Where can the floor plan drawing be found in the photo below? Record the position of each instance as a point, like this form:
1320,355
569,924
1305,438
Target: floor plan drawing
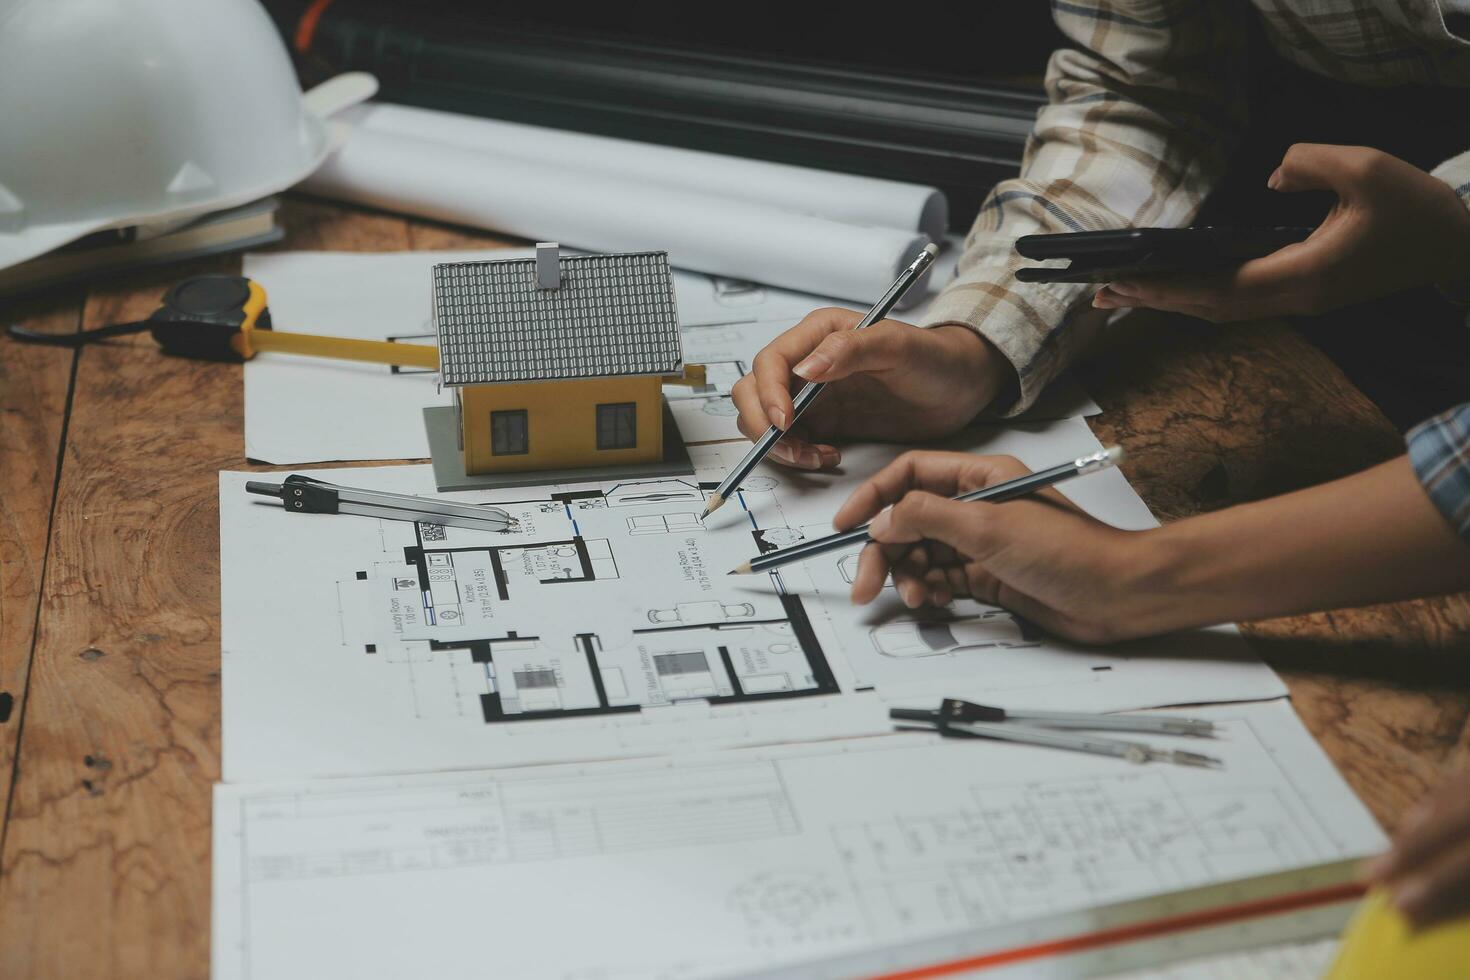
747,858
553,612
603,623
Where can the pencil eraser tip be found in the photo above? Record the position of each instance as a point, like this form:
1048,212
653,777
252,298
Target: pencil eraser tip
1115,455
932,249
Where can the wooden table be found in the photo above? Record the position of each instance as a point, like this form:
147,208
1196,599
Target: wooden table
109,593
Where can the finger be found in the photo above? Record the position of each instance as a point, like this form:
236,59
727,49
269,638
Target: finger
802,455
911,587
966,527
1322,167
936,472
752,419
937,581
771,368
846,352
872,575
1176,292
1444,823
1258,288
1436,891
959,582
792,449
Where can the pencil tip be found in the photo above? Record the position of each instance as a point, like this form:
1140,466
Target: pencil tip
714,503
743,569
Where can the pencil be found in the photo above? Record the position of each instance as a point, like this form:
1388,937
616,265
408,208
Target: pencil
1010,490
812,389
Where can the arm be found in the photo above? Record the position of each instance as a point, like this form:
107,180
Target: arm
1142,116
1371,537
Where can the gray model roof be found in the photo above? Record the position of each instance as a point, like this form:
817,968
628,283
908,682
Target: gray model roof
611,315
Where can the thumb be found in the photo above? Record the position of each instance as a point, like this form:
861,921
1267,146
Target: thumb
847,352
1312,167
968,528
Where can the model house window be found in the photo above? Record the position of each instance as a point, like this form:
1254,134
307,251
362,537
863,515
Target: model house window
617,426
508,433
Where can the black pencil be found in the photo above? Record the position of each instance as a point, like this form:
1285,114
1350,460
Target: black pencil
1032,482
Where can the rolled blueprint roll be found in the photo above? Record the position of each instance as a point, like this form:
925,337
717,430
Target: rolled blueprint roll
706,233
841,197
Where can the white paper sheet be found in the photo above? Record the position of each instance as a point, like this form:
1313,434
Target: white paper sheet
1291,961
307,410
587,209
848,198
709,864
605,625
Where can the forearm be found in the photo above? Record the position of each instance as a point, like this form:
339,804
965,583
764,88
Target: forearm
1371,537
1141,115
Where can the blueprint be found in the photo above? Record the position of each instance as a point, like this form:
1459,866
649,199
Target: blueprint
706,864
603,624
373,412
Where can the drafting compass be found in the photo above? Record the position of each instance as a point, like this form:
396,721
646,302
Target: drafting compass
304,495
1058,729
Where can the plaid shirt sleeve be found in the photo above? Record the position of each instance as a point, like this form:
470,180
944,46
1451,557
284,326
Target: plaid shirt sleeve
1439,450
1142,115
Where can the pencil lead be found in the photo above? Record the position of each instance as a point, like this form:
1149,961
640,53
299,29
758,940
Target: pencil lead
714,503
741,569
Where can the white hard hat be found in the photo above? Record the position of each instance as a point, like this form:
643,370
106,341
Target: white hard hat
134,112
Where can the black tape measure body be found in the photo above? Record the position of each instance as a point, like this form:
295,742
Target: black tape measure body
209,317
202,316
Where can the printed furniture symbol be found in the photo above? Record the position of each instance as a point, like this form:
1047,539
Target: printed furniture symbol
993,629
558,362
711,611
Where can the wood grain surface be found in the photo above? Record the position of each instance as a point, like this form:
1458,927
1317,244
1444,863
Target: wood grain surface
109,607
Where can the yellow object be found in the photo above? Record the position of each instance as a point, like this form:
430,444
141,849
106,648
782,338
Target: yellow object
1378,944
251,340
693,376
559,422
248,343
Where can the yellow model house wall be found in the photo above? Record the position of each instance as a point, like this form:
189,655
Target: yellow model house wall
561,420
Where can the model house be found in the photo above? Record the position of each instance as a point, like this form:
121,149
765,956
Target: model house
558,361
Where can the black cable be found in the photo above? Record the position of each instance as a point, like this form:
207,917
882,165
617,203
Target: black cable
30,336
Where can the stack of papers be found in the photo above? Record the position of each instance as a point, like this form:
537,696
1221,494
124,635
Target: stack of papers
448,752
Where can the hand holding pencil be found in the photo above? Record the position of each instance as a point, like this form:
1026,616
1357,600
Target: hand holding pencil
812,390
1040,556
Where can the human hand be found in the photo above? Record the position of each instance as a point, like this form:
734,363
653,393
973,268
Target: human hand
1040,556
1393,227
891,381
1427,872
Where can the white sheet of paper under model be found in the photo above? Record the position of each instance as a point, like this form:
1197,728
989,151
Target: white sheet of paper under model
372,412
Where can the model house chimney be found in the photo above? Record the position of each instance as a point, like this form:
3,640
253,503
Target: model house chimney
548,265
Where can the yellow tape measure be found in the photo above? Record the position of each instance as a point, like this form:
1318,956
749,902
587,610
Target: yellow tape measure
226,318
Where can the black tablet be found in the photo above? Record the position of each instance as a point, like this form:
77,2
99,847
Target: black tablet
1107,256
